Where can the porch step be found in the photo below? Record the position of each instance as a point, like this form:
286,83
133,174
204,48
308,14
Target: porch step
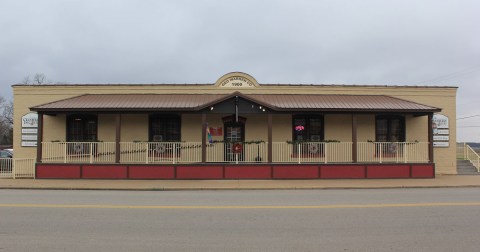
464,167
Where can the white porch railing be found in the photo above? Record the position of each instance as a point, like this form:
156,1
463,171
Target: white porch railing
191,152
78,152
472,156
160,152
392,152
237,152
312,152
17,168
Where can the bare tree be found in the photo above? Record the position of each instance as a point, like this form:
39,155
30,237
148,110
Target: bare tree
26,80
37,79
6,121
8,112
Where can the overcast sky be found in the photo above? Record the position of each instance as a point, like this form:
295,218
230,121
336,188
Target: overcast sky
385,42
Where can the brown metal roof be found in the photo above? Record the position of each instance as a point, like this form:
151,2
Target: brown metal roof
342,103
195,102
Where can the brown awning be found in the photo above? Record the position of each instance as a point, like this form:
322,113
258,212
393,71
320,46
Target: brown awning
197,102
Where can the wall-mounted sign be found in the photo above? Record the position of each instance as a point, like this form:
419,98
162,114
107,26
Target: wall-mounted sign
216,131
440,144
441,131
441,138
439,121
30,120
29,144
29,137
237,82
29,130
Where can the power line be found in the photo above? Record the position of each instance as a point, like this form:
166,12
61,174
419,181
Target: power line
467,117
452,75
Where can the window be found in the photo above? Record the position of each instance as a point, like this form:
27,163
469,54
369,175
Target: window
390,129
164,128
81,128
308,128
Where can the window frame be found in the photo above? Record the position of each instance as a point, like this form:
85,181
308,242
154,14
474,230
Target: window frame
390,118
165,119
307,118
84,128
307,144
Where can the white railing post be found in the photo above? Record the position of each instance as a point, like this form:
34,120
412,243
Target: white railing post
91,152
405,152
464,150
65,152
299,152
13,168
146,152
174,152
325,154
381,152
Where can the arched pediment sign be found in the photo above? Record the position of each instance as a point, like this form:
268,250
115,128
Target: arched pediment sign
236,80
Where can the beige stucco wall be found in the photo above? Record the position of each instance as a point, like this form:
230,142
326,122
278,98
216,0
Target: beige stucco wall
365,128
134,127
337,127
281,128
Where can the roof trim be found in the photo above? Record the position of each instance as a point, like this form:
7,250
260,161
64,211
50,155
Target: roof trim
274,102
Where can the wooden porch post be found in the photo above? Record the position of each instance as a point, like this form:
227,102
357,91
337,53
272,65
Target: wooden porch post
354,138
40,137
270,137
204,136
118,127
430,137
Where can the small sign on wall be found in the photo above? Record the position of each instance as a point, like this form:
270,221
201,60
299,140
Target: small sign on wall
29,130
216,131
440,126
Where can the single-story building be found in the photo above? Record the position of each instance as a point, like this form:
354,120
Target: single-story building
235,128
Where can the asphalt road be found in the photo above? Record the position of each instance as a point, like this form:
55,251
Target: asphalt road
441,219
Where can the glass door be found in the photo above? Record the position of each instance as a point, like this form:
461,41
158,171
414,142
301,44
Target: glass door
234,138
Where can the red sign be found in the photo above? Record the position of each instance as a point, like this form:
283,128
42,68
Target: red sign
216,131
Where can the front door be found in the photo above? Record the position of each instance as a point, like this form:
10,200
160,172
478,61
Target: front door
234,137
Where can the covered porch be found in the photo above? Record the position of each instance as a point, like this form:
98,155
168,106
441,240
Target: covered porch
253,137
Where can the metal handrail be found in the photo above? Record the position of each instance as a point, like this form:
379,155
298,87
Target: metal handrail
472,156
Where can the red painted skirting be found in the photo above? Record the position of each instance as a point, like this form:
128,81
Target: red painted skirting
248,172
388,171
423,171
151,172
200,172
295,172
104,171
58,171
342,171
231,171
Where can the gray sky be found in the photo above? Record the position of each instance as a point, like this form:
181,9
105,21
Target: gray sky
386,42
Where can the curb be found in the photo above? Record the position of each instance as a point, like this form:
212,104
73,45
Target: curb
231,189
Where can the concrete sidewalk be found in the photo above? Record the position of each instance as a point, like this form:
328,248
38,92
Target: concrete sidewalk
86,184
